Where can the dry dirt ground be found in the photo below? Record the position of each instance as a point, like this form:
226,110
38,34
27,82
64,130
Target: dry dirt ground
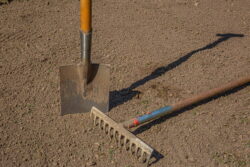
160,52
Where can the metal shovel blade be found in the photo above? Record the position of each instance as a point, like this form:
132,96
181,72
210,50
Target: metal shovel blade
75,98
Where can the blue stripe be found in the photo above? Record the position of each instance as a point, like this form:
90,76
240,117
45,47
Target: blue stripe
154,114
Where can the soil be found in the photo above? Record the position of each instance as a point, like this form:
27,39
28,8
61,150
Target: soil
160,52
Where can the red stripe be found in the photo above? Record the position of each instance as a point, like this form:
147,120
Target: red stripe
136,122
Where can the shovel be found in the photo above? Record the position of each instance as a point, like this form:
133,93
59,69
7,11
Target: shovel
84,85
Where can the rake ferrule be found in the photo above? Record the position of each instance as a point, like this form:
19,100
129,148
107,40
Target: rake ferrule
147,117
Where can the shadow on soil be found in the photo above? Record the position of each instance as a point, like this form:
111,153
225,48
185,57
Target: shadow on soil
121,96
4,2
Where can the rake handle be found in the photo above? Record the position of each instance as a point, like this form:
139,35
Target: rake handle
185,103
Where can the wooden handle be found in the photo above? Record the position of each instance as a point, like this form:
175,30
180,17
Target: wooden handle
185,103
85,15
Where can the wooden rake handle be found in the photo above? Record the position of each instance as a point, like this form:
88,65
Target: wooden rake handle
85,15
185,103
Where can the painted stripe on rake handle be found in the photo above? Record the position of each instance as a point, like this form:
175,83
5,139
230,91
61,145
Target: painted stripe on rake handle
153,114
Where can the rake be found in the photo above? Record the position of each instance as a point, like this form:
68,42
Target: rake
135,145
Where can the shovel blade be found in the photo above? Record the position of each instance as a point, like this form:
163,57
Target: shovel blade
75,98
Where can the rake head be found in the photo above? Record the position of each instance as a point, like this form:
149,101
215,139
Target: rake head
122,136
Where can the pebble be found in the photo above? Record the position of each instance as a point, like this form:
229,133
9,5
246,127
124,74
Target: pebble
191,159
91,163
96,156
97,144
44,59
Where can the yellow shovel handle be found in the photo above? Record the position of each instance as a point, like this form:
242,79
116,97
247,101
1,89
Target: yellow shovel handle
85,15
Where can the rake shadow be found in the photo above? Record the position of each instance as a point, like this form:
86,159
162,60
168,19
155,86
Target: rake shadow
155,157
121,96
5,2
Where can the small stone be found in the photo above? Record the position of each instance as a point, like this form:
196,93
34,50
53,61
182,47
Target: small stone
44,59
97,144
96,156
91,163
191,159
196,4
241,137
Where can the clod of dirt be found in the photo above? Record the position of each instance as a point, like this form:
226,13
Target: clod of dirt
44,59
91,163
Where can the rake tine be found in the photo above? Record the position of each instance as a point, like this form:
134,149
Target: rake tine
119,138
128,145
123,137
148,158
99,123
106,128
95,118
132,148
125,143
138,153
141,159
122,141
111,133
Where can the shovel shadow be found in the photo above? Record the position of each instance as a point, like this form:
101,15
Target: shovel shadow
119,97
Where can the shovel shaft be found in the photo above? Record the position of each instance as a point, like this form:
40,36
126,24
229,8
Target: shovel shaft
85,34
85,48
185,103
85,15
